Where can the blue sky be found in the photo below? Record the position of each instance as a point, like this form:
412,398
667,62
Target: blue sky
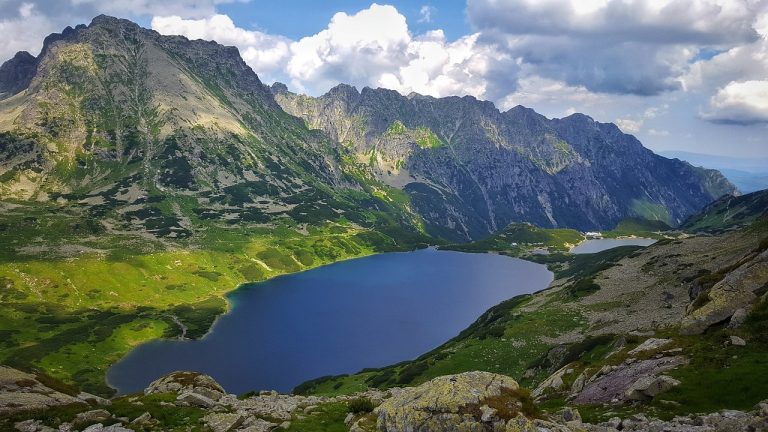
298,18
686,75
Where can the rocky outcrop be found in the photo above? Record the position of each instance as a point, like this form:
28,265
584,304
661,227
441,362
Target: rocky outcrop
632,380
463,402
21,391
737,290
193,388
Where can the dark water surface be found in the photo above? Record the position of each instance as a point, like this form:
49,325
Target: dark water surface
340,318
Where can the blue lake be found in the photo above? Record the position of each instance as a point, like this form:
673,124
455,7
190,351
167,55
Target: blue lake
597,245
335,319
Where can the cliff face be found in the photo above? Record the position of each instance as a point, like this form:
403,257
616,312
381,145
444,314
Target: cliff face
471,170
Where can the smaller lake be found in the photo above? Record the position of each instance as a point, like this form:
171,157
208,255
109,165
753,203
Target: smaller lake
598,245
339,318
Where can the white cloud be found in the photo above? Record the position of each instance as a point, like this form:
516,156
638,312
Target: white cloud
425,14
629,126
739,102
647,21
640,47
534,90
266,54
373,47
25,32
635,125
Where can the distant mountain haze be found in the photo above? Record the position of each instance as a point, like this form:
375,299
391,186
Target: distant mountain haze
748,174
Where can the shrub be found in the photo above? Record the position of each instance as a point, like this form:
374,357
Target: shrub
360,406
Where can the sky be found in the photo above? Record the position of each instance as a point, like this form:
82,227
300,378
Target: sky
687,75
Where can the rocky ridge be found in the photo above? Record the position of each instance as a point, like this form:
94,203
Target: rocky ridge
471,170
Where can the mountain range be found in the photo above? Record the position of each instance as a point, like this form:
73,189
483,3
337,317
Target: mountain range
113,119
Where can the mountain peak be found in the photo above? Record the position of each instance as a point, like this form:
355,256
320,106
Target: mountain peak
112,22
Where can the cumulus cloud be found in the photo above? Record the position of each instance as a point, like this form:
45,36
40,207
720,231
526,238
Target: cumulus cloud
739,102
646,21
638,47
267,54
373,47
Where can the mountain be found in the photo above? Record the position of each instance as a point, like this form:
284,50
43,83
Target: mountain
114,119
143,177
470,169
748,174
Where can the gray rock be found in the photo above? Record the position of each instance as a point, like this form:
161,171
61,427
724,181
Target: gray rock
32,426
195,399
568,415
738,317
142,420
21,391
187,382
651,344
223,422
98,427
649,386
349,419
98,415
487,413
255,424
448,403
737,341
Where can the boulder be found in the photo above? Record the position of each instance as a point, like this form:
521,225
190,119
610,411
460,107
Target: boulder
223,422
194,399
255,424
143,420
187,382
738,317
98,415
737,290
32,426
650,344
471,401
737,341
649,386
554,382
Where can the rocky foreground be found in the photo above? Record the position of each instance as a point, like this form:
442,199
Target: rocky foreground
471,401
